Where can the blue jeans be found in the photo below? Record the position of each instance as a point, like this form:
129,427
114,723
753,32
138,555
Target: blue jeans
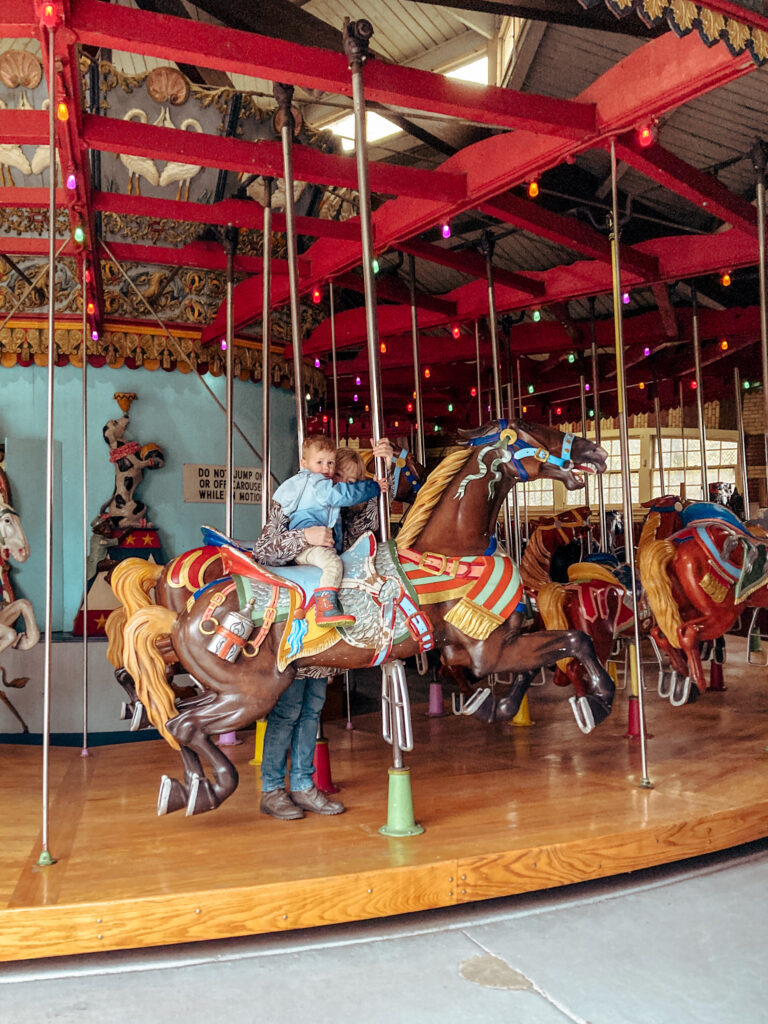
292,725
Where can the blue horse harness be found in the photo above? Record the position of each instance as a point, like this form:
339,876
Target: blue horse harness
520,450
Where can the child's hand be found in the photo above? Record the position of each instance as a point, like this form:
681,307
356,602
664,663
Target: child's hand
383,484
318,536
383,449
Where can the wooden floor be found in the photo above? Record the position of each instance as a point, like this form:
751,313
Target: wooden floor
506,810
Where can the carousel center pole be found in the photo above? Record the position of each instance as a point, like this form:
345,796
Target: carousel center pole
230,244
357,36
84,752
522,484
626,480
583,410
45,859
742,439
699,397
487,246
332,302
598,431
759,162
421,454
266,353
284,96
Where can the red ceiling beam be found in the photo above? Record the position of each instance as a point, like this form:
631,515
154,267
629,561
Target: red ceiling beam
395,290
36,247
246,53
698,187
666,310
469,262
659,75
18,19
29,199
242,213
24,127
567,231
262,157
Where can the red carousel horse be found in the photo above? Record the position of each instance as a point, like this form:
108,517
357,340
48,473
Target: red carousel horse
443,585
698,581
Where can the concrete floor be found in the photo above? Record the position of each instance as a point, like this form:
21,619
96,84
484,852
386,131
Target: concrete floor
684,944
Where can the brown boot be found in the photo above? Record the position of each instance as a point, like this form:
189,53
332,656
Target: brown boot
278,804
313,799
327,611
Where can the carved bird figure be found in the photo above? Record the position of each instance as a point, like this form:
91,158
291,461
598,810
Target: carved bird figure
138,166
183,173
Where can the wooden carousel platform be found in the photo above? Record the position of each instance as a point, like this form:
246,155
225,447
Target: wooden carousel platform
506,810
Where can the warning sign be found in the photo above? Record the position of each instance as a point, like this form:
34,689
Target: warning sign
208,483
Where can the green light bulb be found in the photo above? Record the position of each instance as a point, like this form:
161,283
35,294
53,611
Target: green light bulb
79,234
530,389
375,265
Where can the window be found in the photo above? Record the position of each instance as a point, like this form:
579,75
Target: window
475,71
612,493
376,129
683,465
537,494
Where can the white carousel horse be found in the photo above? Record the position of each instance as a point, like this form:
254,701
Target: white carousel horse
13,544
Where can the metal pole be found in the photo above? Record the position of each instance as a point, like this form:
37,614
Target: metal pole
626,480
480,417
699,398
510,529
84,752
284,96
742,440
522,485
659,453
420,453
759,161
357,35
266,353
583,395
230,243
598,431
683,483
518,540
333,361
45,859
180,353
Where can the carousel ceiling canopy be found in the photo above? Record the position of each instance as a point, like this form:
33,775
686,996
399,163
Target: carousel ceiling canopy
166,135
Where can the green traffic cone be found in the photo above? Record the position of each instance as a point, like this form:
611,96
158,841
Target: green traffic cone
400,806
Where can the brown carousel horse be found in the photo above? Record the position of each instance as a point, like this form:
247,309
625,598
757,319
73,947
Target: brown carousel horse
442,586
135,581
700,578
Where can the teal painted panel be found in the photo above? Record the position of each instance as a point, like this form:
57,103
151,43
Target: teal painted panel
173,410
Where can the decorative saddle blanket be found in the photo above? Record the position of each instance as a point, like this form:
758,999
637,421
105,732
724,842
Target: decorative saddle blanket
375,590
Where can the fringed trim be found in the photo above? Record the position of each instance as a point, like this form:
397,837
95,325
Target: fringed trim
473,620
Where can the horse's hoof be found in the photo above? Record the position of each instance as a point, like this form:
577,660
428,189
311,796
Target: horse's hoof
139,719
172,796
484,709
680,691
582,712
126,711
600,707
201,796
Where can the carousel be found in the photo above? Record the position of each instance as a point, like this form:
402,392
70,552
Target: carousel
527,249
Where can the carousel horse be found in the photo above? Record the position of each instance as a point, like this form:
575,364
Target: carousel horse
597,597
13,544
242,638
700,578
133,580
552,546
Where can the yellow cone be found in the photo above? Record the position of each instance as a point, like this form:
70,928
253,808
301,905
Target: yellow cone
523,716
261,728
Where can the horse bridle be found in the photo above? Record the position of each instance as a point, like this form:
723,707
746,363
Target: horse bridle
401,467
520,449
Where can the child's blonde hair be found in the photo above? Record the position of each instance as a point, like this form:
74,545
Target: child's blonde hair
316,443
346,458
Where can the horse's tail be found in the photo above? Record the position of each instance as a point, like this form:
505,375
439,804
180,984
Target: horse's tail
146,666
649,530
653,561
551,602
113,627
132,580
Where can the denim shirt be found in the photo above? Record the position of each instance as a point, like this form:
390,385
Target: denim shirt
310,499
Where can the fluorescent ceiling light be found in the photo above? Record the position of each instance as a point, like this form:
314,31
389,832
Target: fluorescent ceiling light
475,71
376,129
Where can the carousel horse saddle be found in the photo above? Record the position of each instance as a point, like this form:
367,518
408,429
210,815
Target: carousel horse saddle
374,590
693,515
747,577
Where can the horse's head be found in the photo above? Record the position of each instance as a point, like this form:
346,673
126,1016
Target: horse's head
537,450
409,474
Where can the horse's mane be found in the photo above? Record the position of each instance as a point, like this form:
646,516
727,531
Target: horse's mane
429,495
